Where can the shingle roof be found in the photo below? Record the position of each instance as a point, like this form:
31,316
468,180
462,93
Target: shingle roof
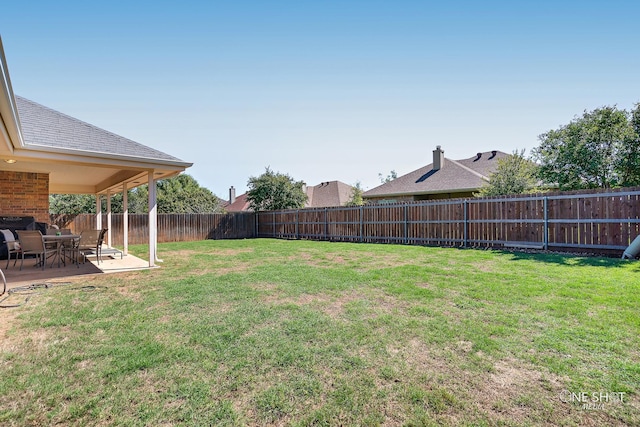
327,194
43,126
466,174
241,204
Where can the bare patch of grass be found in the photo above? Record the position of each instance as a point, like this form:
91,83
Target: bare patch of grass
221,271
314,333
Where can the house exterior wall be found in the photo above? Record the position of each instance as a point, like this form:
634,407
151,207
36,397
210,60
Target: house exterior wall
441,196
413,198
24,194
387,200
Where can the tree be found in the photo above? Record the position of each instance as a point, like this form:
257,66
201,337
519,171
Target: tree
356,196
392,175
72,204
514,174
274,191
589,152
180,194
183,194
629,161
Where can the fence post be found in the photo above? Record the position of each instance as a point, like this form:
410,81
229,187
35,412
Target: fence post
273,223
465,209
256,223
406,225
297,224
326,224
546,222
361,224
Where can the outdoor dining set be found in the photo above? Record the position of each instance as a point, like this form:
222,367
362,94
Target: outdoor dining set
55,246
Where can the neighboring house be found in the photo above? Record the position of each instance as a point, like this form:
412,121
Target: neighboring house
442,179
236,204
46,152
325,194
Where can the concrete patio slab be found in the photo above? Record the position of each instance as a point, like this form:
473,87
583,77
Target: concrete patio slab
31,274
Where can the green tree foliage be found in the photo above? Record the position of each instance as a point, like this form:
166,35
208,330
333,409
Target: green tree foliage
138,200
629,162
356,196
273,191
392,175
72,204
183,194
597,150
180,194
514,174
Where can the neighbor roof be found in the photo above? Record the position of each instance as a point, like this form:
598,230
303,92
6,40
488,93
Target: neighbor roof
454,176
241,204
327,194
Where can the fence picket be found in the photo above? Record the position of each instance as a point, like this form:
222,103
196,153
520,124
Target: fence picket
592,221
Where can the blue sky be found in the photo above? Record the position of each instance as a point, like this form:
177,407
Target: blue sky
324,90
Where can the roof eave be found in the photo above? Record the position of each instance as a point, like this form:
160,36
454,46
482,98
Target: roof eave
10,122
42,152
422,193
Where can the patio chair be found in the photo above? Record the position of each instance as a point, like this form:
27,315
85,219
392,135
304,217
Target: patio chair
31,243
13,246
90,243
103,233
108,250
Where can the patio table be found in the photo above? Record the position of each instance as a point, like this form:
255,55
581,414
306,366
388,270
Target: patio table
60,241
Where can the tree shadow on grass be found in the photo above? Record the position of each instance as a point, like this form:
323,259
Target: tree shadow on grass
573,259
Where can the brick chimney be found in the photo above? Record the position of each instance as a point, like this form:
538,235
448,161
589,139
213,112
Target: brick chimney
232,195
438,158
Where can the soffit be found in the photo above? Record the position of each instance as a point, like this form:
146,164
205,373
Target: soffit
66,178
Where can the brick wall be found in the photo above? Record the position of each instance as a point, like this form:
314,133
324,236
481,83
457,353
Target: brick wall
24,193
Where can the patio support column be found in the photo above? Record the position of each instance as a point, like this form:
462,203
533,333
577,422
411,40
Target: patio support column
125,218
109,218
98,212
153,221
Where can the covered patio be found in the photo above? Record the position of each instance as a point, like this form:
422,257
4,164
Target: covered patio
31,274
43,152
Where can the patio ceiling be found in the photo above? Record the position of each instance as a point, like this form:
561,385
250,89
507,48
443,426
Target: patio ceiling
69,174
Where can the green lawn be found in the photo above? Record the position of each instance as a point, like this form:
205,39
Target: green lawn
269,332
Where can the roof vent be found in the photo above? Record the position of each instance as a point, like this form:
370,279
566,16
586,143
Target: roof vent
477,157
493,154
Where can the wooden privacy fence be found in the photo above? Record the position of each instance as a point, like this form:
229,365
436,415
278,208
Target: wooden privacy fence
587,221
601,222
171,227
